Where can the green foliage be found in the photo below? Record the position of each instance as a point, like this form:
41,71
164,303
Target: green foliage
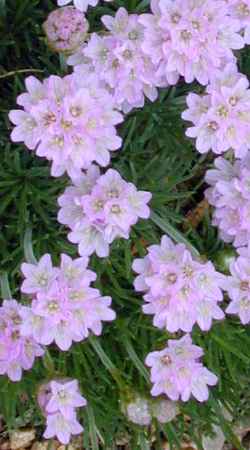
156,156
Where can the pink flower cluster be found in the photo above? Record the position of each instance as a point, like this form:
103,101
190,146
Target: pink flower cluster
58,401
238,285
17,352
240,10
180,291
230,195
82,5
72,124
66,29
177,372
191,38
100,208
221,116
64,307
119,62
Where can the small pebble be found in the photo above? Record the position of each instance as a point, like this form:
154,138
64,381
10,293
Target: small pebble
22,439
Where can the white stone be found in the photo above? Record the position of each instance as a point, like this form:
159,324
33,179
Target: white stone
21,439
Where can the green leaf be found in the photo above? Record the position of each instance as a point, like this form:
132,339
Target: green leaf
134,358
28,247
92,428
5,287
173,233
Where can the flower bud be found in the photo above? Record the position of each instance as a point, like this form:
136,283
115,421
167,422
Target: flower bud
138,411
136,408
164,410
66,29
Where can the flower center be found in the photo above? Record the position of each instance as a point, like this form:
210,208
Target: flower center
127,54
175,18
75,111
75,295
77,140
53,307
92,123
166,360
29,348
222,111
115,209
42,280
196,24
243,9
231,131
202,278
59,141
62,395
233,100
186,35
49,118
98,205
15,335
179,351
30,123
188,271
171,278
244,285
115,63
213,126
244,303
133,35
103,54
113,193
185,291
66,124
16,319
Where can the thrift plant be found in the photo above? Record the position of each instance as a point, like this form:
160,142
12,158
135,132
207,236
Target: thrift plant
120,78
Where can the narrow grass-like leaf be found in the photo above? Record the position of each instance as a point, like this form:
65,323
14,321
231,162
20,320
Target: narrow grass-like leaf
173,233
5,287
106,361
92,428
134,357
28,247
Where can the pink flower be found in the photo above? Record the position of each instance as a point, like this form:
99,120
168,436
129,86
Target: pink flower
38,277
59,426
65,397
71,123
238,286
71,210
221,116
75,271
189,38
17,352
82,5
103,212
119,62
58,401
69,308
240,10
230,195
177,372
180,291
66,29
